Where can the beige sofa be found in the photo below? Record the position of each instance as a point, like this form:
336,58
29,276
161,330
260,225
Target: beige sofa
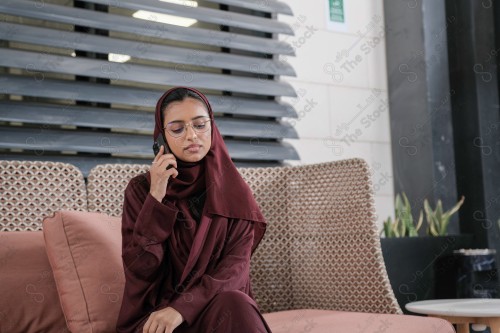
319,267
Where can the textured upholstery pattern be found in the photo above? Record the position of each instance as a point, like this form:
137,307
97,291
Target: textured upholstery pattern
322,248
32,190
106,185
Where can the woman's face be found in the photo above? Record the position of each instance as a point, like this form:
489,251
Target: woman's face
180,113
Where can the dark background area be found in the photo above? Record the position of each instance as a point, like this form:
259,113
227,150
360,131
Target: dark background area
442,62
442,59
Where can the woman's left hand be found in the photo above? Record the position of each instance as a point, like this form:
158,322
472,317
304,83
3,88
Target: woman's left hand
164,321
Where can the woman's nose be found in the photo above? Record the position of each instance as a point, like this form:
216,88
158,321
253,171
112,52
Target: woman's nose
190,128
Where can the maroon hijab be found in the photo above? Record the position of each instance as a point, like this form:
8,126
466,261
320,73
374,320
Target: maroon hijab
227,193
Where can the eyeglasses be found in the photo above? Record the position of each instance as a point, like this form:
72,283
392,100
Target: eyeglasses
178,129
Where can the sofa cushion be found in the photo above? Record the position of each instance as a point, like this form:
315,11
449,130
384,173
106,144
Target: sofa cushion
319,321
84,250
29,300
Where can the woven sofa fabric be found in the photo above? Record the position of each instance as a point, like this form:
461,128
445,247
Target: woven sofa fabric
321,249
271,269
336,255
320,321
32,190
106,185
29,301
322,240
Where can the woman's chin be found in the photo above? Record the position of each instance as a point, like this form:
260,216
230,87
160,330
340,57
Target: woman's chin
192,157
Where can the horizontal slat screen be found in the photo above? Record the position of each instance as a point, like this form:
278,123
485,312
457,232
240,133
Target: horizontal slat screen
92,43
119,23
119,144
84,116
204,14
268,6
38,85
79,81
104,69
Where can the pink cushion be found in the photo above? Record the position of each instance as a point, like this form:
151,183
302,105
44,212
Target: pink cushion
84,250
320,321
28,294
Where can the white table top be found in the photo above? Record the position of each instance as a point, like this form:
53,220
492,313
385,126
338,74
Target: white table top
472,307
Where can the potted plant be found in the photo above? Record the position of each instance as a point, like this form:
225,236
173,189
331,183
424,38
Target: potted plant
403,225
410,258
438,221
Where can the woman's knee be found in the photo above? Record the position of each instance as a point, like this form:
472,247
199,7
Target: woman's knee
234,311
232,298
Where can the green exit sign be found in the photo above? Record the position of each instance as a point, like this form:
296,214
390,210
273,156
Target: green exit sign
337,11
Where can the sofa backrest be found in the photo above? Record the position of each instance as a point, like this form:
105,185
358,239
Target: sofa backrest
321,248
32,190
106,185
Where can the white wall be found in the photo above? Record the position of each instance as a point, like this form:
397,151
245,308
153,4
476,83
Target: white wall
342,96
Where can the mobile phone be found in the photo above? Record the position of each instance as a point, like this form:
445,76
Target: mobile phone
156,147
158,143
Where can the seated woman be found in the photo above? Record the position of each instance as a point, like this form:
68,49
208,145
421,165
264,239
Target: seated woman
189,227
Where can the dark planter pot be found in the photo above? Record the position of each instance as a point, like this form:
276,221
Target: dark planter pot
411,264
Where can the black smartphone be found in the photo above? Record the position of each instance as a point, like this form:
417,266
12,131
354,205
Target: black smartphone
156,147
158,143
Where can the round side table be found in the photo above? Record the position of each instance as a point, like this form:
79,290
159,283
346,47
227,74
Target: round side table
480,312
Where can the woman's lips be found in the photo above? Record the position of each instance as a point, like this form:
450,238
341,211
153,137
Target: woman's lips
193,149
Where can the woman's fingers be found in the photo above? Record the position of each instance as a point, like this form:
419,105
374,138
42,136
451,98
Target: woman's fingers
165,162
161,329
160,153
163,321
145,328
154,327
167,157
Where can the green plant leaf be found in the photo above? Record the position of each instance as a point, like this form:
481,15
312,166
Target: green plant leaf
407,217
395,228
404,224
420,220
439,211
437,220
444,226
455,208
402,227
428,215
432,226
387,228
398,205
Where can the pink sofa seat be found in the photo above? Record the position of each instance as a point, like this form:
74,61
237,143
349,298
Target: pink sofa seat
29,301
321,321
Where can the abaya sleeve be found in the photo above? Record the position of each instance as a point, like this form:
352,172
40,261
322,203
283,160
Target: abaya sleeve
230,273
146,224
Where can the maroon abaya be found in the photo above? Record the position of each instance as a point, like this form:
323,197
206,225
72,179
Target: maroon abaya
198,265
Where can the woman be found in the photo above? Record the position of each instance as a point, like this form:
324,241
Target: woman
189,231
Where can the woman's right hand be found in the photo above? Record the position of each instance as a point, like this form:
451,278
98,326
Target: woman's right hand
160,174
165,321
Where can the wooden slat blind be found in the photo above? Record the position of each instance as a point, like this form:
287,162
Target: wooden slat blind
63,99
